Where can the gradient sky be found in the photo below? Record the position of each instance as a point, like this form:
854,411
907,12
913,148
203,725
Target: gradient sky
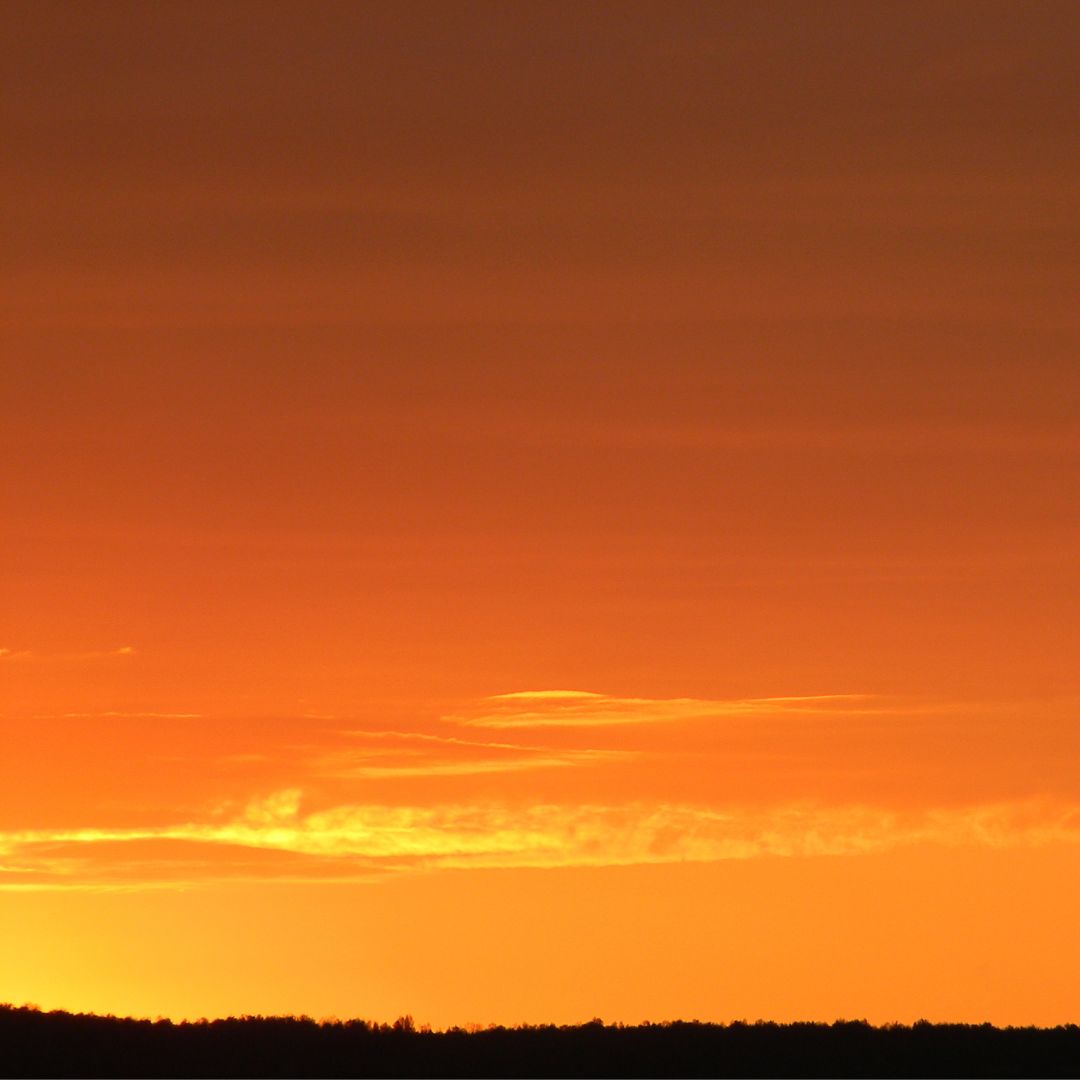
521,512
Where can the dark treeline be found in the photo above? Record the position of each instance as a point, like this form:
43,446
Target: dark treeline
60,1044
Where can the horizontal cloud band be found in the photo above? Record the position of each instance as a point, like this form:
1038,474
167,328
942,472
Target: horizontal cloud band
346,841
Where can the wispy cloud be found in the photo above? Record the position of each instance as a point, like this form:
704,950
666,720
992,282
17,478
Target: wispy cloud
114,714
345,841
399,755
582,708
29,655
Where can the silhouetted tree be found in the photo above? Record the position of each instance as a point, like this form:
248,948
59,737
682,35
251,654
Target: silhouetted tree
60,1044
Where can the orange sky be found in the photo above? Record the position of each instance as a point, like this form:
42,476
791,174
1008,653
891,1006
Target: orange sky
525,512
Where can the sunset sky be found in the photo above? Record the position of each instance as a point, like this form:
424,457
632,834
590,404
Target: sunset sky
518,512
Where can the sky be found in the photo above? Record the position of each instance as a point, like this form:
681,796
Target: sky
519,513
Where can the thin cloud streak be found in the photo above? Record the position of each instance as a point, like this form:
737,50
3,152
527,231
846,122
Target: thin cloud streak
581,708
418,754
29,656
114,714
342,768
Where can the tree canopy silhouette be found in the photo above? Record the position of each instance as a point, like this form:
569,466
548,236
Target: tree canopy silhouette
55,1044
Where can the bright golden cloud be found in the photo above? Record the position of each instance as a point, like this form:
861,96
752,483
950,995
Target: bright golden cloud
350,840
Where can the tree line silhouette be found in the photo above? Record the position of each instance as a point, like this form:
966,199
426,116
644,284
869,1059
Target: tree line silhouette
62,1044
